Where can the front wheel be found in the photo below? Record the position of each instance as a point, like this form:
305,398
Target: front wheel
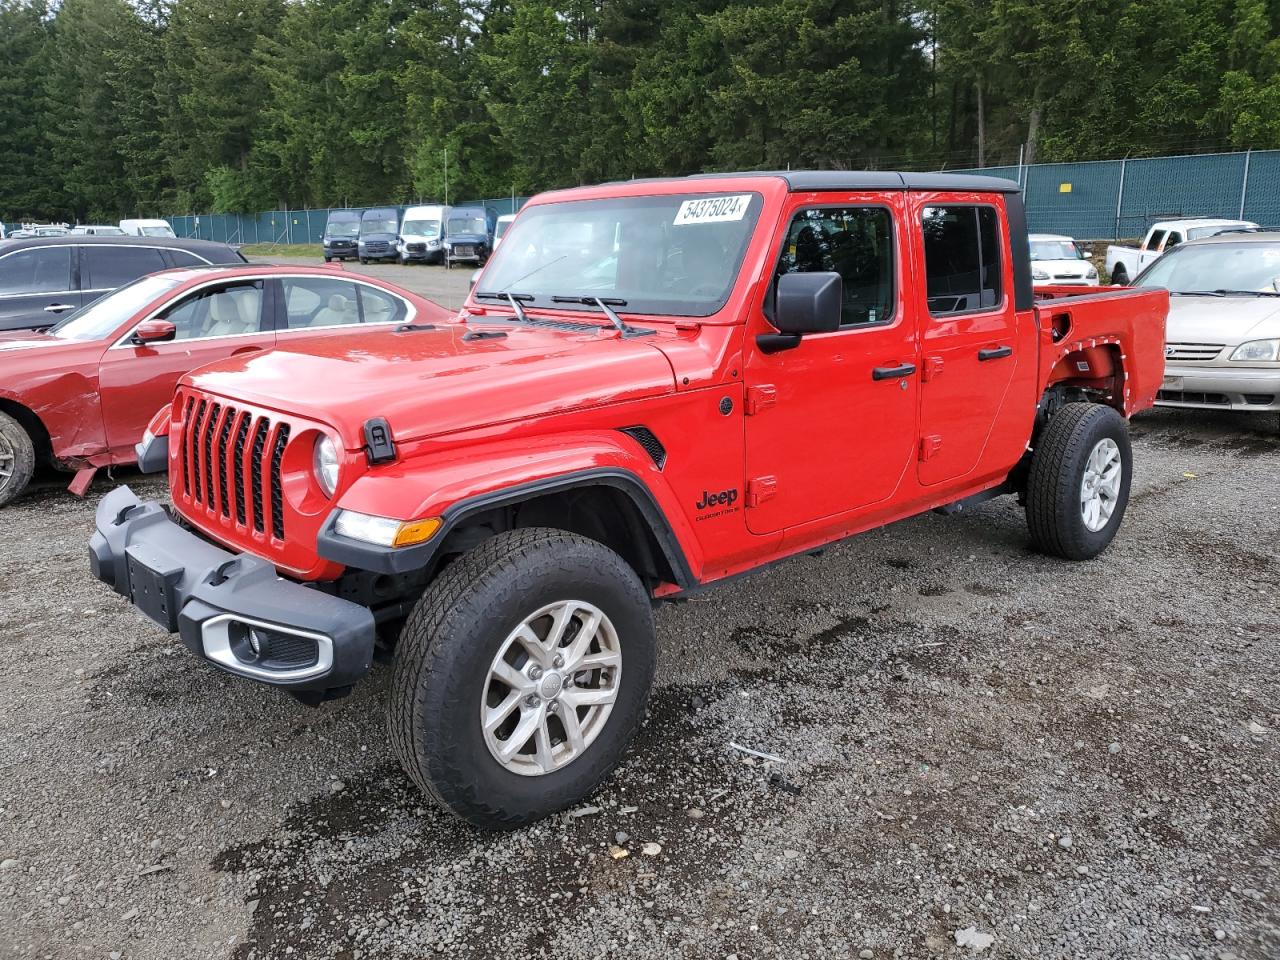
1078,487
521,676
17,458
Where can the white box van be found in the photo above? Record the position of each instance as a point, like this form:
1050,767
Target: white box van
422,234
147,228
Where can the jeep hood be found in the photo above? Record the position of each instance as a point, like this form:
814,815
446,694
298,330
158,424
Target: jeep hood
428,382
1227,320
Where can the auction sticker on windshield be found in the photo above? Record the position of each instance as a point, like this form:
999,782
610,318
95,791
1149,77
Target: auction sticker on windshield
712,209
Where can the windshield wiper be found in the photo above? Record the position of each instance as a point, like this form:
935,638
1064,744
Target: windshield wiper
607,305
1224,293
511,298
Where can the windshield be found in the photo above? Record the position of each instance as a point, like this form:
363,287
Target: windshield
157,232
1054,250
421,228
343,228
467,225
501,227
672,255
103,316
1240,267
377,226
1195,233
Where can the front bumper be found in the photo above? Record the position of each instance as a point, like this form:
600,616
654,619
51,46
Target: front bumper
1220,388
232,610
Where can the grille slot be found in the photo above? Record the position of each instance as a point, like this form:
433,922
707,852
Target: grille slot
1192,396
242,434
277,494
1192,351
255,473
206,444
224,435
186,461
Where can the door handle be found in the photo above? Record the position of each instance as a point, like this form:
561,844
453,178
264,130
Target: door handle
892,373
58,307
995,353
240,351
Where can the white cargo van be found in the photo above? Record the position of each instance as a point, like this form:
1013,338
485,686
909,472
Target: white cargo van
147,228
422,234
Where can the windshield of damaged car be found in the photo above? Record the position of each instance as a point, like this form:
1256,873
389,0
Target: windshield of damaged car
674,255
420,228
101,317
1217,268
465,225
1054,250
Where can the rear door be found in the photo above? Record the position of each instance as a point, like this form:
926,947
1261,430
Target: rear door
214,322
314,306
969,342
37,286
828,431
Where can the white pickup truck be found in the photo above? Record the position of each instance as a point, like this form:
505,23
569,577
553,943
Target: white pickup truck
1125,263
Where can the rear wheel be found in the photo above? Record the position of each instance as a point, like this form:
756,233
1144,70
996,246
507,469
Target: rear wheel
1078,487
17,458
1120,276
521,676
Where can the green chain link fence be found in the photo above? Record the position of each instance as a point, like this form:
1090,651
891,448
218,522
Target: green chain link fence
1094,200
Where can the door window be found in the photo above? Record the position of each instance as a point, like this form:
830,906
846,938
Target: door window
855,242
1154,241
314,302
962,259
37,270
1172,240
227,311
105,268
378,306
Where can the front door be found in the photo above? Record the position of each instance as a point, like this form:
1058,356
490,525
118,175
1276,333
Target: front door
969,347
212,323
831,422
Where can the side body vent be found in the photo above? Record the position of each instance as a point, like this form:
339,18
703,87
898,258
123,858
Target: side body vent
652,445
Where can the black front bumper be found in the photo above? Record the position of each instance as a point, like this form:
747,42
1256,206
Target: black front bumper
233,610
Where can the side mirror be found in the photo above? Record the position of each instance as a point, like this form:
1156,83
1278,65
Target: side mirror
805,303
153,331
475,278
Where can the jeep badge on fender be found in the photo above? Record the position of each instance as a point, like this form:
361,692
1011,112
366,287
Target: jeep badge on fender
552,445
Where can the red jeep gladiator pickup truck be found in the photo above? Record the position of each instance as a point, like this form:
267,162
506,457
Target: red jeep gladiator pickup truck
653,386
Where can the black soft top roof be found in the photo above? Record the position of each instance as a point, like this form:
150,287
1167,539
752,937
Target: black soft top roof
802,181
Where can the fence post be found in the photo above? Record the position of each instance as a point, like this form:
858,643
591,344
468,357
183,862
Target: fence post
1120,197
1244,187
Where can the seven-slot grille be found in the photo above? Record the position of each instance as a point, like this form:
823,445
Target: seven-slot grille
231,464
1192,351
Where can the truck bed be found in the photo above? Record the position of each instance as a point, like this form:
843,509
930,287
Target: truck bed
1104,338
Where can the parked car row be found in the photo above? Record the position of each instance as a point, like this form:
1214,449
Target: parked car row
425,234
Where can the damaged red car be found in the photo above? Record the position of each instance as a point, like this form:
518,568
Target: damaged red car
79,395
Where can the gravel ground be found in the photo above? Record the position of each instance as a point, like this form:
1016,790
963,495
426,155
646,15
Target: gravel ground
988,753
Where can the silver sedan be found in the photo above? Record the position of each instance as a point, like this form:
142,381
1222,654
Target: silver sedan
1222,343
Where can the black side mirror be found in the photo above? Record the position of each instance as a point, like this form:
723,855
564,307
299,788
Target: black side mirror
805,303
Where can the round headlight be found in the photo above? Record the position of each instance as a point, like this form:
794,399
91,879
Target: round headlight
326,465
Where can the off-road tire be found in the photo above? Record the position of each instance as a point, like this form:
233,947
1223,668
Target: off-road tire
24,458
448,644
1057,472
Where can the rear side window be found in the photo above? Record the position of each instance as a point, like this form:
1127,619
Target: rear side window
38,270
105,268
1174,239
180,258
313,302
855,242
964,271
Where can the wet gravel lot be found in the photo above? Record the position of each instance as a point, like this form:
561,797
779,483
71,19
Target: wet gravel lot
988,753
